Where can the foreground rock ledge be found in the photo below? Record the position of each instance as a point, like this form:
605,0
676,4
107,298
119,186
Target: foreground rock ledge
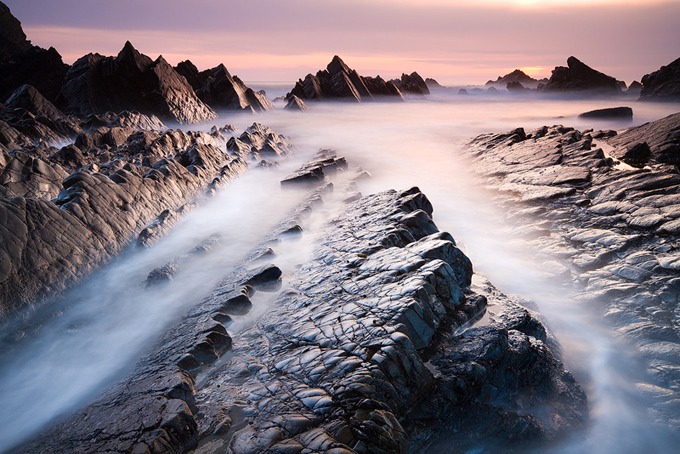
338,363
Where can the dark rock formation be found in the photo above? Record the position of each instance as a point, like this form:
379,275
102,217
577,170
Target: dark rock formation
315,172
515,86
662,138
22,63
120,181
338,81
337,362
615,228
220,90
295,104
579,77
517,76
634,89
29,99
431,83
663,84
131,81
625,113
411,83
463,91
258,141
125,119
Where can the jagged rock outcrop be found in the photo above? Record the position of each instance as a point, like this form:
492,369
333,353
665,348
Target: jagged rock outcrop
125,119
338,361
663,84
625,113
634,89
32,101
432,83
614,227
295,104
662,139
22,63
220,90
579,77
516,76
338,81
516,86
87,201
131,81
411,83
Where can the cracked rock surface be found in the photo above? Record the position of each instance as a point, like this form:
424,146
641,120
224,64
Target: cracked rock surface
345,357
613,227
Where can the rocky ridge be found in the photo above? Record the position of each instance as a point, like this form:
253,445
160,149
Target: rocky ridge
614,228
87,201
663,84
579,77
338,362
514,77
338,81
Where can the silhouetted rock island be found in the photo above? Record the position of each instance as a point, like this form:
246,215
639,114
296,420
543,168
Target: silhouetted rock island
579,77
663,84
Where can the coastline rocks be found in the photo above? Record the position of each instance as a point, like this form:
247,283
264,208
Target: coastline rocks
220,90
516,76
432,83
515,87
122,180
338,81
662,138
579,77
663,84
131,81
22,63
316,171
611,112
613,228
295,104
411,83
31,100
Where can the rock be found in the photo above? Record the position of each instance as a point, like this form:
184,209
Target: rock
663,84
295,104
125,119
22,63
338,81
634,89
431,83
131,81
94,214
662,137
220,90
411,83
463,91
28,98
638,155
611,112
314,173
515,86
612,227
516,76
579,77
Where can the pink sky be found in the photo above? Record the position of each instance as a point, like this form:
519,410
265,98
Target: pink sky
452,41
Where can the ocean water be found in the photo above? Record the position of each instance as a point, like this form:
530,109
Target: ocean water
97,333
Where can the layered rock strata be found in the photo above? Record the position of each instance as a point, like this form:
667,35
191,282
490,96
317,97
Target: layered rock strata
662,84
338,361
131,81
61,221
613,227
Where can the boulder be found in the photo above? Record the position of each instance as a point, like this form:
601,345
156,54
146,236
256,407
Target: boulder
625,113
579,77
663,84
661,136
131,81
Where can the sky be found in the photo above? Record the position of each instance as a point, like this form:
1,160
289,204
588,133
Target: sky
453,41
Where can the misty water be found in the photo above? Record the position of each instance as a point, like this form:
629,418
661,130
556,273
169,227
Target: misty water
54,361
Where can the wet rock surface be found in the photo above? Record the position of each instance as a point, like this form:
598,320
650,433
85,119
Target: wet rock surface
362,334
662,137
613,227
68,211
339,81
625,113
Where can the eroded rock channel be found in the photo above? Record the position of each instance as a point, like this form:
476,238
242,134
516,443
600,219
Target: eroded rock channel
369,345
